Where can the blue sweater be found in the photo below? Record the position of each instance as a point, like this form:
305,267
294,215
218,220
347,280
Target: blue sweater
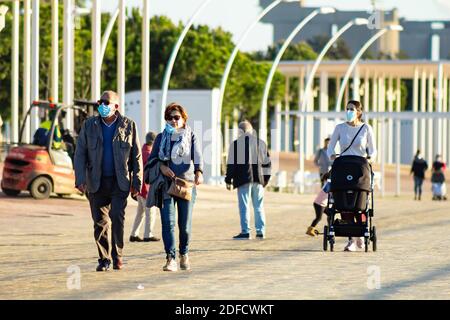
108,155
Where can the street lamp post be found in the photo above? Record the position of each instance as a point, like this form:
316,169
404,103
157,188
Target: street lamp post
173,56
15,73
226,73
287,42
145,68
358,56
306,93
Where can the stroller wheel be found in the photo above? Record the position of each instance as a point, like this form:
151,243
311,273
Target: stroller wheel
366,244
325,238
332,244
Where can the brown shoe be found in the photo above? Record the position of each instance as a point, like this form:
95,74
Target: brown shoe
118,264
184,262
151,239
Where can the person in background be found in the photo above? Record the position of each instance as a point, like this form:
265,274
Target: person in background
319,204
150,213
248,170
438,179
418,168
323,162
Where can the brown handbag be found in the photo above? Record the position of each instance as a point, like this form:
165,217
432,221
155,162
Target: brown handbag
181,188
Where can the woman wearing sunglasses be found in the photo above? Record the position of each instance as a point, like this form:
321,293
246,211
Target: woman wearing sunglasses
178,150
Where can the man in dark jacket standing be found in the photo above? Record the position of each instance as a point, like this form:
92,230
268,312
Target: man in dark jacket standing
248,170
108,167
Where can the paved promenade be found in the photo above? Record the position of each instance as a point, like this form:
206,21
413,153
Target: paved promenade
45,243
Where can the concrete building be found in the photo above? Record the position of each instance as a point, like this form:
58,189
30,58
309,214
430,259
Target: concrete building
419,39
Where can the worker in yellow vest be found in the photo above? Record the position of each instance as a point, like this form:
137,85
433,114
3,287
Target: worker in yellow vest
42,134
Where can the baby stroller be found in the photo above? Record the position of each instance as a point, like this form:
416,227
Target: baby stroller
351,191
438,185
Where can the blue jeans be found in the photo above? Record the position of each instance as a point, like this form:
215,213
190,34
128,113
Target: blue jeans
256,192
418,185
184,223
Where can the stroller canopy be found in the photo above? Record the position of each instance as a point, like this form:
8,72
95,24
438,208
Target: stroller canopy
351,173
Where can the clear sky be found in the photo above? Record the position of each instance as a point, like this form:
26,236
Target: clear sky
235,15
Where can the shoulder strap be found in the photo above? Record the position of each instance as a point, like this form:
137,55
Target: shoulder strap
353,139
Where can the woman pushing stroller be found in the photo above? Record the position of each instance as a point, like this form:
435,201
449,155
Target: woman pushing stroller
355,138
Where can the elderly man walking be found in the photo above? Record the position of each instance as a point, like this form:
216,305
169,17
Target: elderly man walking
248,170
108,167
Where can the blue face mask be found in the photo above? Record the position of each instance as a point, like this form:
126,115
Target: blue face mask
169,129
104,110
351,115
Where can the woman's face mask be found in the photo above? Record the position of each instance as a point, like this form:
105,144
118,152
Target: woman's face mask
169,129
350,115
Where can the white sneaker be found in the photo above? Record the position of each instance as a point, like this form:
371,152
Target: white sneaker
360,243
351,246
171,265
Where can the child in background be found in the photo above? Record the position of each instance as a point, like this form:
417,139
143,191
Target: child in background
320,204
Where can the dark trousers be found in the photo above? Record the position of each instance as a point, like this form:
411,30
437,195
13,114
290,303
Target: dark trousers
319,212
418,181
108,212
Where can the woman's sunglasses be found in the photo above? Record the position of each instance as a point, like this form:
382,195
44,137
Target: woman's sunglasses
176,118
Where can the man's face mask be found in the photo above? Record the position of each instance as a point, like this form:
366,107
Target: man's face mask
106,110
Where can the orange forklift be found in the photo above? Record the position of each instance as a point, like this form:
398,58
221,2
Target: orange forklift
46,165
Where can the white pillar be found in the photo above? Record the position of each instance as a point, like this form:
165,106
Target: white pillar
301,129
445,122
121,56
382,155
27,69
301,84
338,87
415,107
145,68
96,51
35,64
55,51
437,128
430,154
235,124
226,130
15,73
323,104
68,45
286,117
423,108
390,128
356,84
375,109
398,146
309,122
276,139
366,92
381,108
